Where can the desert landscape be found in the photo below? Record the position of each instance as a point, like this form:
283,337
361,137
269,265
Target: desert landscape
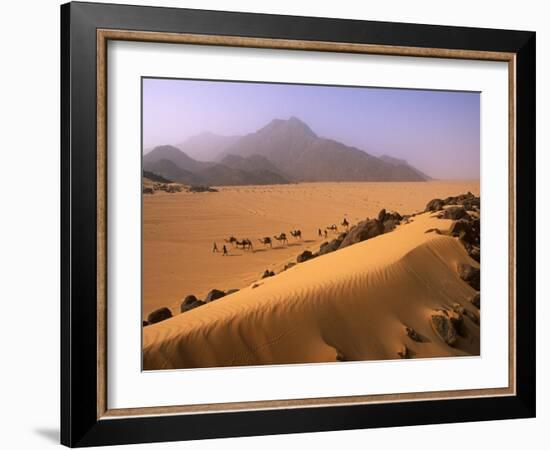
281,246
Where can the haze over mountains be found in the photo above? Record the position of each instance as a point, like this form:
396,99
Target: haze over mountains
283,151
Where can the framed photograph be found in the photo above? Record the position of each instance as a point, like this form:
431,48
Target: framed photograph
276,224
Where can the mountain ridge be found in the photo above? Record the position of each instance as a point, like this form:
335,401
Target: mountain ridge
283,150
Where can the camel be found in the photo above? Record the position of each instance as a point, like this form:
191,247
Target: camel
246,244
266,241
297,234
282,238
232,240
345,223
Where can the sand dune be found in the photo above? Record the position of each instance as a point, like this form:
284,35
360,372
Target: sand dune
353,304
179,229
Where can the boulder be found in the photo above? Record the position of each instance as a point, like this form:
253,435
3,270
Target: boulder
190,302
184,307
413,334
469,274
433,230
214,294
159,315
304,256
443,326
474,253
435,205
328,247
289,265
389,225
268,273
364,230
455,213
384,215
476,300
189,299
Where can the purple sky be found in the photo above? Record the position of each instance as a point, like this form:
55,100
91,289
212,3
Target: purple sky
436,131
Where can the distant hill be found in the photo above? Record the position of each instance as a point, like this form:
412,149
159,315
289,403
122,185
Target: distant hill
297,151
280,152
207,146
170,162
403,162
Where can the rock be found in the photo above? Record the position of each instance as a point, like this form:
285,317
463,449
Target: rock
472,316
159,315
469,274
364,230
384,216
435,205
389,225
268,273
474,253
413,334
189,299
145,323
476,300
455,213
184,307
190,302
214,294
328,247
148,190
304,256
231,291
458,308
433,230
201,189
443,326
404,352
340,356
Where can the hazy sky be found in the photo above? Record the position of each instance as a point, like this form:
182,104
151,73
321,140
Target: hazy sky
436,131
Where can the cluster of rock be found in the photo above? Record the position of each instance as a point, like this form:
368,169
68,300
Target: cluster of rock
195,188
464,210
366,229
190,302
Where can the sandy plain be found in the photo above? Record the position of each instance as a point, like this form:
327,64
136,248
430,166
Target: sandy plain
179,229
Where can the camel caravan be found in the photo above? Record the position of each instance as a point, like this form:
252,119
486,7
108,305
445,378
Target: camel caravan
268,241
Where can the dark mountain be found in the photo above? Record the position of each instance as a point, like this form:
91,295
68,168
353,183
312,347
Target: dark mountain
170,162
207,146
403,162
297,151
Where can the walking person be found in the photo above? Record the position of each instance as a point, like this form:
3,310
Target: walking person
225,253
215,248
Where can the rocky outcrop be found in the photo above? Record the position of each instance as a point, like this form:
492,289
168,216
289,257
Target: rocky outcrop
367,229
304,256
159,315
469,274
214,294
